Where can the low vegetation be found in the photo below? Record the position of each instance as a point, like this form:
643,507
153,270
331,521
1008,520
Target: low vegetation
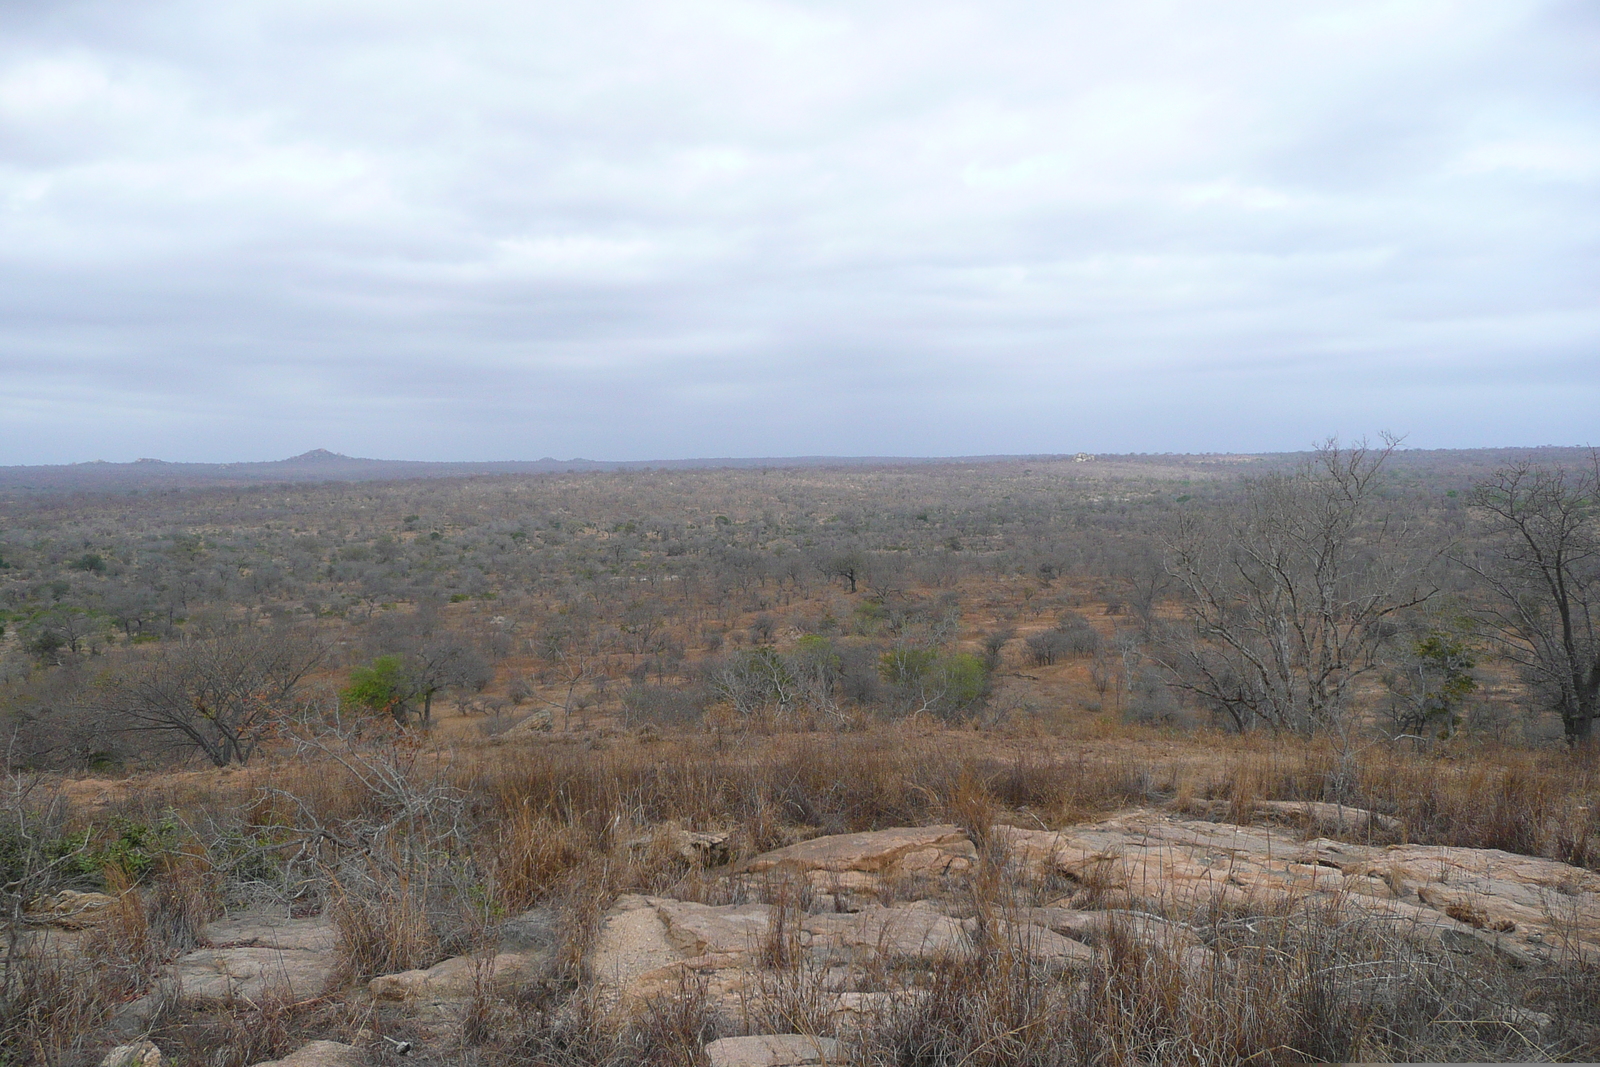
424,709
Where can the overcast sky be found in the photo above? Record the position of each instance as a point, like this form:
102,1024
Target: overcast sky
240,230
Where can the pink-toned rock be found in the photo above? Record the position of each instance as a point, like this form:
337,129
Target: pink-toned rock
256,957
321,1054
460,977
70,909
698,929
1528,909
774,1050
883,933
902,850
1036,942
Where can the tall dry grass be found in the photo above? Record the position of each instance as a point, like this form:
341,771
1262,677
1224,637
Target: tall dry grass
410,847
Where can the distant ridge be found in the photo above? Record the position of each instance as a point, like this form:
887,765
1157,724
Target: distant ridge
322,465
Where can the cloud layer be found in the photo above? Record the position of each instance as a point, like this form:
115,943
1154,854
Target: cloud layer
642,230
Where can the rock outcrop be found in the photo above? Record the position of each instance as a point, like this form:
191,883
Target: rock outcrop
255,957
523,956
459,977
863,860
70,909
1528,909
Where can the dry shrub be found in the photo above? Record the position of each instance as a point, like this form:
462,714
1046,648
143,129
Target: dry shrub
1316,987
1531,802
532,853
835,783
249,1033
185,896
383,922
50,1006
120,943
674,1026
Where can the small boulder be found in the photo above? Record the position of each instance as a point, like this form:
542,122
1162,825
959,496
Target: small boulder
533,929
70,909
138,1054
902,849
257,956
459,977
321,1054
774,1050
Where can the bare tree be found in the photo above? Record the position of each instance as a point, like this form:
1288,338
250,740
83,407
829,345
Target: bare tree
849,566
444,661
1290,598
1545,574
222,695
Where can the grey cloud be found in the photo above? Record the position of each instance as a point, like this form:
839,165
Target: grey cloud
640,231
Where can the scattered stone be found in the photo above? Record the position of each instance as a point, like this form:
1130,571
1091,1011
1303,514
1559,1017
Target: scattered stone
139,1054
322,1054
774,1050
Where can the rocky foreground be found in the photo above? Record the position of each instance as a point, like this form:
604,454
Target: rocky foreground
802,947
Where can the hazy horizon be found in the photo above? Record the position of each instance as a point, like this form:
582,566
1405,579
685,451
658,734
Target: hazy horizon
745,229
321,454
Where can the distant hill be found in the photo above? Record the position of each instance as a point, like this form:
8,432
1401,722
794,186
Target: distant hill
321,465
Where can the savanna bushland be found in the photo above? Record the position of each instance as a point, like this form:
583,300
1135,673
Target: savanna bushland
552,768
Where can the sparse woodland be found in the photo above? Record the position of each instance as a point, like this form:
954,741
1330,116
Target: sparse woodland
498,719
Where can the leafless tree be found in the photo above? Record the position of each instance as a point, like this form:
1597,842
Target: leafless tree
1545,574
848,566
1291,598
222,695
443,661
